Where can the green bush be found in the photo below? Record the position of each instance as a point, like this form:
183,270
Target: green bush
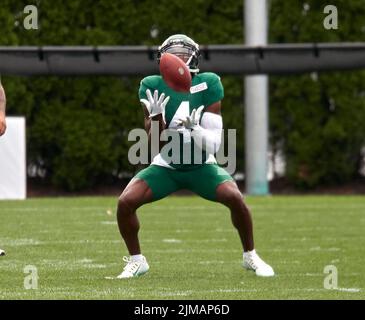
77,127
318,119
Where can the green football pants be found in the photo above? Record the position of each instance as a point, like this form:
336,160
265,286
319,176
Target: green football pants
202,180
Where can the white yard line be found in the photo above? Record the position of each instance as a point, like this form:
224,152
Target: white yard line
58,208
114,223
172,241
237,290
216,262
20,242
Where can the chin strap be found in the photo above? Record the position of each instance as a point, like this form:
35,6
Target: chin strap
196,70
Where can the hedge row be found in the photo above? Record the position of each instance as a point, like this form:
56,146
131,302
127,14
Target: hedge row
77,127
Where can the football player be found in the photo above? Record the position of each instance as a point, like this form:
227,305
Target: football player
2,124
196,115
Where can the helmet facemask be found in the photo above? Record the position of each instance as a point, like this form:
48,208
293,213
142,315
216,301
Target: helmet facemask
184,48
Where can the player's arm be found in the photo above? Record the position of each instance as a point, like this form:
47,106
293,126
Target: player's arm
154,112
210,131
214,108
2,110
158,120
207,126
207,132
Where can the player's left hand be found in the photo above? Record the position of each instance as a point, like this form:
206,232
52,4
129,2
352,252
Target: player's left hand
192,121
2,124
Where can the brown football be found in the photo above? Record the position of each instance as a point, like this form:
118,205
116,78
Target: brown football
175,72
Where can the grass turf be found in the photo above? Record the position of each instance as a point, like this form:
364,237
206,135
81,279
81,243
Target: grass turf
192,249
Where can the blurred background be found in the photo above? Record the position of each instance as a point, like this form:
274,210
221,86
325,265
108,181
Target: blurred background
77,127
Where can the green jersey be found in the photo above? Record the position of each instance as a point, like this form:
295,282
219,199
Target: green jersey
205,90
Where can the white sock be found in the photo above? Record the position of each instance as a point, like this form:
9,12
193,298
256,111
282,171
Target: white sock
249,253
137,257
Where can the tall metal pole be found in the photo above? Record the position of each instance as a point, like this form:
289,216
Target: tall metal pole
256,103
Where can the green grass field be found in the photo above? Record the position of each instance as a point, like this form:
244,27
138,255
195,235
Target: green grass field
192,249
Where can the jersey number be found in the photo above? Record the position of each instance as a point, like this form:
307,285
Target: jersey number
182,112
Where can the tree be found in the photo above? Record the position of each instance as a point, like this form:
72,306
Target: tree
317,118
78,127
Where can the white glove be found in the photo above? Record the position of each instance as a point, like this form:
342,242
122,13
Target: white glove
155,105
208,135
192,121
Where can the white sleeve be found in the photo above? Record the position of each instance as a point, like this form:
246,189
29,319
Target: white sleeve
208,135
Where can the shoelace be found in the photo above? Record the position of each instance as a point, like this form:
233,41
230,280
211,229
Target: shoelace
255,261
131,266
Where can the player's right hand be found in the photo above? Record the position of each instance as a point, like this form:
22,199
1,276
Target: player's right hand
155,105
192,121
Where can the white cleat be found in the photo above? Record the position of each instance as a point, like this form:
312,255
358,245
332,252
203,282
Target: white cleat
134,268
251,261
2,252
